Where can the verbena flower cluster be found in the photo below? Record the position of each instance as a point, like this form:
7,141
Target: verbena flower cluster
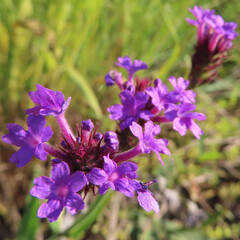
94,161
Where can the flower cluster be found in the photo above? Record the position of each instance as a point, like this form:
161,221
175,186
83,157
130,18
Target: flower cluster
157,104
214,39
89,161
94,161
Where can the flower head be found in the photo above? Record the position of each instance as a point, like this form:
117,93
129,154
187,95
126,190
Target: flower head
31,142
48,102
60,190
147,141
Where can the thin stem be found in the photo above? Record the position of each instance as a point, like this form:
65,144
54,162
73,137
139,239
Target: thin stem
122,157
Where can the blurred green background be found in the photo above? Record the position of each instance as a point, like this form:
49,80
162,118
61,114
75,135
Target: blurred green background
69,46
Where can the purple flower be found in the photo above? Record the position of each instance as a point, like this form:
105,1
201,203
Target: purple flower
147,141
131,110
158,94
183,119
180,94
118,178
30,141
48,102
126,63
61,191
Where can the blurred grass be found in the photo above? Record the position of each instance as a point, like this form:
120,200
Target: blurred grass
70,45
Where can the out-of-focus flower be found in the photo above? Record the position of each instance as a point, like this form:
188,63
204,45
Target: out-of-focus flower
182,118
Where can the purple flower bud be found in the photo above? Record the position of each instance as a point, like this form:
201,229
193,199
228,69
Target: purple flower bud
111,141
87,125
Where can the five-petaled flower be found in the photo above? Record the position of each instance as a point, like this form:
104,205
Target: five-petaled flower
31,142
60,190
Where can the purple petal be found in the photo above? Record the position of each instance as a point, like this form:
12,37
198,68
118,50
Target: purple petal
196,130
51,210
186,107
109,165
74,203
127,99
136,130
116,112
42,188
103,189
16,135
126,167
147,201
60,171
145,114
196,115
127,122
122,185
140,100
22,156
77,181
150,129
40,153
36,124
46,134
97,176
66,104
180,126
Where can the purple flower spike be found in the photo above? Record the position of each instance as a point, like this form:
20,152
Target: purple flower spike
117,178
48,102
30,142
61,191
126,63
147,141
131,110
111,141
180,94
183,119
